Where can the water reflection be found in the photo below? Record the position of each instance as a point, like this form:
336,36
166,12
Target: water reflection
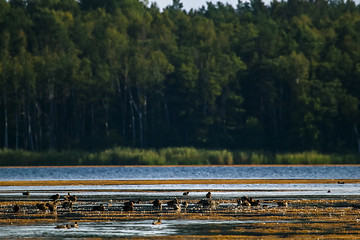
125,229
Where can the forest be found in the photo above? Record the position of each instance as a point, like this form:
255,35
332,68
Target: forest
96,74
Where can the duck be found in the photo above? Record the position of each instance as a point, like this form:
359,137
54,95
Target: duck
16,208
66,226
100,207
207,203
128,206
173,203
41,206
204,203
247,201
157,204
208,195
157,222
254,202
55,197
186,193
74,225
70,197
340,182
52,206
67,204
282,203
27,193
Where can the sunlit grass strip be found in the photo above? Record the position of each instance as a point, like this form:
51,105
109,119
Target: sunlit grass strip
169,156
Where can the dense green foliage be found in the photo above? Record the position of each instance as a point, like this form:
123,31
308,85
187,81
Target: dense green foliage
95,74
167,156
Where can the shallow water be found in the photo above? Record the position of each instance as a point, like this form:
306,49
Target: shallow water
126,229
91,194
197,190
203,172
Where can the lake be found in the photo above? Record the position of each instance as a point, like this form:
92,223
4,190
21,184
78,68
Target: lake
188,172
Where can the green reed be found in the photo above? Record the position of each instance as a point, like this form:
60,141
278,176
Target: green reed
169,156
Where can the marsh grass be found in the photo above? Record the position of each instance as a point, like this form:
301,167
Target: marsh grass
169,156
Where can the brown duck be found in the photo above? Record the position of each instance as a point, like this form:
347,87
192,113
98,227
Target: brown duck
16,208
52,206
55,197
208,195
128,206
157,204
157,222
67,204
100,208
41,206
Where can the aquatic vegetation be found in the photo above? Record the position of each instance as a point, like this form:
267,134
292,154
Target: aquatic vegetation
168,156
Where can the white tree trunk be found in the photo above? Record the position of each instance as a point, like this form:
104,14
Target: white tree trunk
6,137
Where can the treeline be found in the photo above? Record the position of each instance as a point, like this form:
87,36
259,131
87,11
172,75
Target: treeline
93,74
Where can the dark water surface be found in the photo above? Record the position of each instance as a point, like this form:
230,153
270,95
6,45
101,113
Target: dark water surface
203,172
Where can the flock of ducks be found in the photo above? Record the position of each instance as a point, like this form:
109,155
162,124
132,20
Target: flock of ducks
174,204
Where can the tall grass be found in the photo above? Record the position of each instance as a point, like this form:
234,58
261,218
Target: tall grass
168,156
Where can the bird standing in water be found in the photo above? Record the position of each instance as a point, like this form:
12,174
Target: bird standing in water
208,195
16,208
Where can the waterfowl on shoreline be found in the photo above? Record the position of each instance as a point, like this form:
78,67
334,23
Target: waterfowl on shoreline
203,203
173,203
282,203
100,208
41,206
52,206
157,222
247,201
67,204
208,195
128,206
27,193
340,182
186,193
70,197
16,208
55,197
157,204
254,202
207,203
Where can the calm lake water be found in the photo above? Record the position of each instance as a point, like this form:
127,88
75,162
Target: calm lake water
203,172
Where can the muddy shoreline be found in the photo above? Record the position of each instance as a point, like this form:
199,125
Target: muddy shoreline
319,216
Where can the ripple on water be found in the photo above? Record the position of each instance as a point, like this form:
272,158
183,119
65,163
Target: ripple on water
202,172
124,229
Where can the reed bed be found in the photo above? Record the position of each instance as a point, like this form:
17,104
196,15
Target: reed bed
169,156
